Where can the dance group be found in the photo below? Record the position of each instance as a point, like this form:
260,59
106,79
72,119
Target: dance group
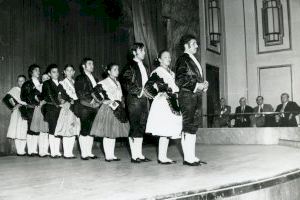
45,113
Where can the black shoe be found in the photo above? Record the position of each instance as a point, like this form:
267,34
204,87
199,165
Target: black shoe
93,157
21,154
43,156
191,164
84,158
202,162
145,159
55,157
108,160
72,157
31,155
116,159
166,163
135,160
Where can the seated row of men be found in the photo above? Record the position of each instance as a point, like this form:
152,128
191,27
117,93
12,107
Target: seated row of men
286,114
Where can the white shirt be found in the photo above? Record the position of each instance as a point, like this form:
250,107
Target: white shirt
196,62
92,79
260,107
56,82
143,74
198,66
37,84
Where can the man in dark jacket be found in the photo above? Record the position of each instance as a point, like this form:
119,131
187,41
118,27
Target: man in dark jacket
31,94
289,110
190,80
87,106
133,79
243,114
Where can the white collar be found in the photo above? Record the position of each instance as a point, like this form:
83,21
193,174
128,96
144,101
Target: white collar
35,81
92,79
196,62
55,81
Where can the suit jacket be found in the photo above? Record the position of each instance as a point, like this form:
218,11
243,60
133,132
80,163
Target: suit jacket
222,120
84,89
284,119
29,92
243,120
52,94
131,79
187,73
263,120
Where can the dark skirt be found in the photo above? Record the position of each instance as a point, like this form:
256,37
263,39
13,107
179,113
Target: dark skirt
138,110
106,124
191,108
86,116
27,114
51,114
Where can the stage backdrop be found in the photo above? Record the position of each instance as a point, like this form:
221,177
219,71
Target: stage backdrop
61,32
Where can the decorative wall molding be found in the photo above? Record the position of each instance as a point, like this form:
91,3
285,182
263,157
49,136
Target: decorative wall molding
274,80
273,27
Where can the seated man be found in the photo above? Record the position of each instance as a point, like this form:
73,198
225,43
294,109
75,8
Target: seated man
242,114
289,110
262,120
222,112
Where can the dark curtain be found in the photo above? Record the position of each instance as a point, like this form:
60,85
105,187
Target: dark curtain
148,27
32,33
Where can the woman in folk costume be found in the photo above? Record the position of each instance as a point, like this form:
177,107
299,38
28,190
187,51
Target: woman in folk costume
52,107
111,121
68,125
31,94
87,107
38,124
17,128
164,118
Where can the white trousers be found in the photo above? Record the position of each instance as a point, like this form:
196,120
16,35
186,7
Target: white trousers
86,146
136,147
32,144
109,148
188,143
20,146
163,149
54,145
68,144
43,144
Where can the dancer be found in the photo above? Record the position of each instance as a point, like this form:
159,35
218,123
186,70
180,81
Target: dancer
111,121
31,94
164,118
51,109
38,124
68,125
190,80
134,78
17,128
87,106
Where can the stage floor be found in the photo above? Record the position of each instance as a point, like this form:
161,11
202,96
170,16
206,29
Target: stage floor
50,179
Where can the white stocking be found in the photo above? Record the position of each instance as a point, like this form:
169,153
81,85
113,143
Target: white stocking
162,149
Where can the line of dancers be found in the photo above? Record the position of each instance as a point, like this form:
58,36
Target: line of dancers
44,114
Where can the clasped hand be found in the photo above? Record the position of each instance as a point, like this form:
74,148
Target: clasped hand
202,87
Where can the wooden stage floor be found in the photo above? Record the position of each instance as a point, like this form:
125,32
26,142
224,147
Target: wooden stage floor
50,179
